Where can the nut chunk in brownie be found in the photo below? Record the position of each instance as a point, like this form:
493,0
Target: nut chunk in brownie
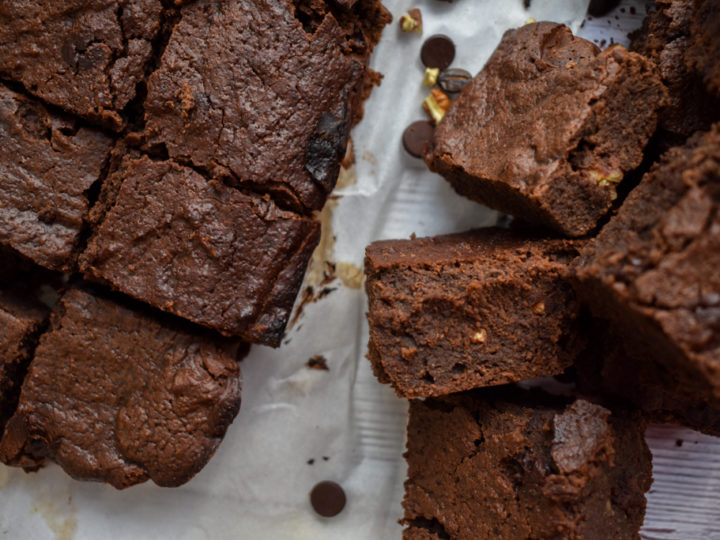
244,92
118,396
653,269
201,250
86,56
20,321
549,127
481,308
665,39
47,164
514,464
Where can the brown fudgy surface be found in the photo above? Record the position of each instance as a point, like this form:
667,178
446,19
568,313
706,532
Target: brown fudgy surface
47,165
20,321
614,370
86,56
653,269
548,127
703,54
665,38
200,249
122,397
513,464
245,93
481,308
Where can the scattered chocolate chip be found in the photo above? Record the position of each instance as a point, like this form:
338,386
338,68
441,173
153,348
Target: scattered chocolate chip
417,138
327,499
679,443
598,8
318,362
453,80
438,51
526,4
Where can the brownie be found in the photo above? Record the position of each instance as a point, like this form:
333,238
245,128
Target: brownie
615,371
704,50
21,319
515,464
665,38
549,127
653,268
47,165
245,93
116,395
481,308
200,249
86,56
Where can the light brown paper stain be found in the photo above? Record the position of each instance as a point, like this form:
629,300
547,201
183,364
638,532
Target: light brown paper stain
350,274
59,518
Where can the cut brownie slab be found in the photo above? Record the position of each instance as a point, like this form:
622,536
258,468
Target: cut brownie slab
86,56
482,308
20,322
119,396
549,127
244,92
507,463
653,269
200,249
47,165
704,51
665,38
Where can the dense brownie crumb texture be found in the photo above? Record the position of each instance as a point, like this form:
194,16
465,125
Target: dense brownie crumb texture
174,154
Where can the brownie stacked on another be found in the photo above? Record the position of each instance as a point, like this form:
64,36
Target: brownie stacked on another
118,395
704,51
482,308
549,127
506,463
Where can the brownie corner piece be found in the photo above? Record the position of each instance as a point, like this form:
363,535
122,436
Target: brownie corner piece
506,463
265,105
47,165
116,395
481,308
652,270
85,57
549,127
201,250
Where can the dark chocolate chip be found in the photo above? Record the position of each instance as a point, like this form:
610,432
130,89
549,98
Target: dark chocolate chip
452,80
417,138
327,499
438,51
598,8
526,4
326,148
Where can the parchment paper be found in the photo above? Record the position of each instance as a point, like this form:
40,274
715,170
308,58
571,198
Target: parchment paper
298,426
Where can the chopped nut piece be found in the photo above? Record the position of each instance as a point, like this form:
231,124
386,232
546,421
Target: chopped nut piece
436,104
539,308
411,21
480,336
530,20
431,76
605,179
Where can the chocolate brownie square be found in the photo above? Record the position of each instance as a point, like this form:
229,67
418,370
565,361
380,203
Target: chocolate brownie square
47,165
704,51
20,321
200,249
507,463
243,92
86,56
653,269
116,395
665,39
481,308
549,127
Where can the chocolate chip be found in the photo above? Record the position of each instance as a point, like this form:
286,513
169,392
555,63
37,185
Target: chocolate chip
327,499
417,138
438,51
453,80
598,8
326,148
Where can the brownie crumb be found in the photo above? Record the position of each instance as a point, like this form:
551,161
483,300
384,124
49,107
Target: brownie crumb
318,362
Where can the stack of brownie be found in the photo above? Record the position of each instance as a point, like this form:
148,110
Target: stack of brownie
603,278
162,164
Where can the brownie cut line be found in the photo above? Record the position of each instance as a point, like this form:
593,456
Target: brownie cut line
119,396
461,311
506,463
200,249
549,127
